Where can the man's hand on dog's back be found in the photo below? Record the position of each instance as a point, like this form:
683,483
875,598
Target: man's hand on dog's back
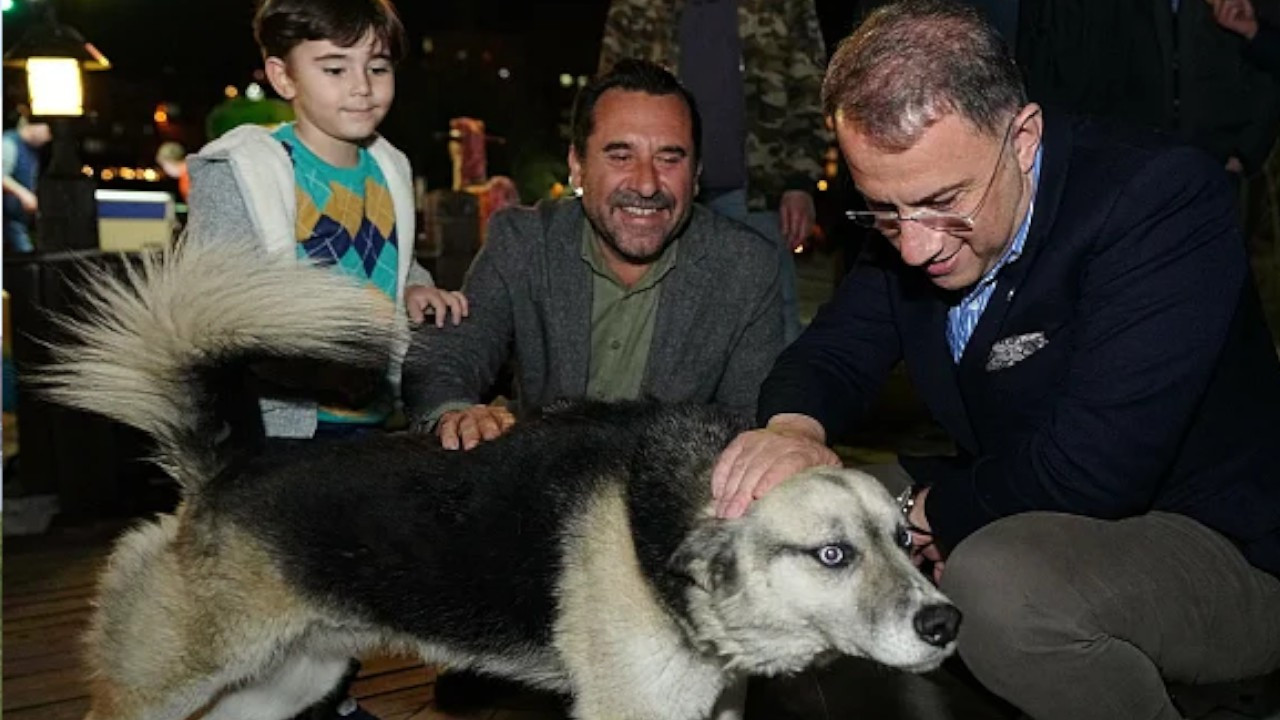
757,460
467,428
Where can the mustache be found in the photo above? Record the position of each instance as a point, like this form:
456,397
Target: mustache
630,198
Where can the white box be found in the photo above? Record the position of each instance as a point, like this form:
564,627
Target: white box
132,220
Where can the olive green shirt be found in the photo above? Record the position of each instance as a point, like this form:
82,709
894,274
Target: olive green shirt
622,322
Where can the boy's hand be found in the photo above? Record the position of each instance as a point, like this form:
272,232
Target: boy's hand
468,428
418,299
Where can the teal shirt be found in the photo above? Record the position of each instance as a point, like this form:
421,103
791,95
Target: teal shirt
346,219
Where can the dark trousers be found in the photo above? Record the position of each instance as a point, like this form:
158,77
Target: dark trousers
1071,617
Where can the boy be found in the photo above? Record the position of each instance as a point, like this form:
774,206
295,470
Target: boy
326,186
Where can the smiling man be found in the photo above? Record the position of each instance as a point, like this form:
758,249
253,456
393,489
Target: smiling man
629,291
1074,304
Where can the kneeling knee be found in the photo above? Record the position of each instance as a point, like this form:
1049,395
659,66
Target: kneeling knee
1014,589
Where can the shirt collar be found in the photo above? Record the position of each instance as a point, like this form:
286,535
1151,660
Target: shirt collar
1014,251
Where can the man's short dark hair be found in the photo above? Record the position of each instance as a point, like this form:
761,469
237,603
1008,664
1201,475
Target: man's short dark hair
912,62
637,76
281,25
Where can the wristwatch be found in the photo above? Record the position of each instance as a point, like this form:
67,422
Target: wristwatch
907,502
907,499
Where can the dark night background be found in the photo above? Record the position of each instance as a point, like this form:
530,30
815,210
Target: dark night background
185,53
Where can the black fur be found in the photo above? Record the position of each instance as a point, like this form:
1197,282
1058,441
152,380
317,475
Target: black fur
463,547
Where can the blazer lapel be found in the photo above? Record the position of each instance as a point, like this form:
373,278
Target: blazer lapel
567,283
929,359
1053,173
679,305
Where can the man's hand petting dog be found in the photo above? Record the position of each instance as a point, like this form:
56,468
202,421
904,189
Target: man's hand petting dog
465,429
924,551
421,302
757,460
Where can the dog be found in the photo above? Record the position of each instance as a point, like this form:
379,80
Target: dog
577,553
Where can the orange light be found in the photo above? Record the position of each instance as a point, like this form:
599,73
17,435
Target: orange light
231,91
108,174
127,174
161,116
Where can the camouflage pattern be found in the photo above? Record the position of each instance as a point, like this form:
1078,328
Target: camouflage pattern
783,58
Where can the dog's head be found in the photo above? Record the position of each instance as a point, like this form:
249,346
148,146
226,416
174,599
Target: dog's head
817,566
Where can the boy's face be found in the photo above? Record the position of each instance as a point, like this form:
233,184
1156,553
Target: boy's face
339,94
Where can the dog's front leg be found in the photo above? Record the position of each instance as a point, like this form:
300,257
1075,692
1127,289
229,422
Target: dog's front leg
732,703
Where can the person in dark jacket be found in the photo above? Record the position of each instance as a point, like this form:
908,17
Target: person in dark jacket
1262,39
1074,304
1162,64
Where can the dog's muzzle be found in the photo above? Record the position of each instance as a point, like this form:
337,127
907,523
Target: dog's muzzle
937,624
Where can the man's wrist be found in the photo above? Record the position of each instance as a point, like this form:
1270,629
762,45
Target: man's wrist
798,426
911,505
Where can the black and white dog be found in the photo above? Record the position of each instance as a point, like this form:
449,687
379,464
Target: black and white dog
576,553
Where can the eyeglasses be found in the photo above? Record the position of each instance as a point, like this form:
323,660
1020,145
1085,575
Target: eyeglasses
948,222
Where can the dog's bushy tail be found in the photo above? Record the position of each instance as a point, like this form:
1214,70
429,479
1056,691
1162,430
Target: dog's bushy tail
155,346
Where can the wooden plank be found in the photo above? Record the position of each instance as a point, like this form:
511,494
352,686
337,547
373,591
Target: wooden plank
83,591
401,703
42,688
375,664
19,667
63,638
66,710
388,681
42,615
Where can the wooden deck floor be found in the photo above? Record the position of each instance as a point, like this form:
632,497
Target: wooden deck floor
48,586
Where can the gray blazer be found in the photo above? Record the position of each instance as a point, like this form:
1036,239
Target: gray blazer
719,323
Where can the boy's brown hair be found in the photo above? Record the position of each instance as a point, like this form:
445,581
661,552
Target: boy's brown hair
281,25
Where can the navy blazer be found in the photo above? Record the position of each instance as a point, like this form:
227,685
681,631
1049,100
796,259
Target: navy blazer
1151,381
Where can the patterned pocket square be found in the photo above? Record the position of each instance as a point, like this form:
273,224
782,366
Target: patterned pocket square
1014,349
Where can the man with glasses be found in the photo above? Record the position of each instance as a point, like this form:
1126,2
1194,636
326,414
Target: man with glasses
1074,304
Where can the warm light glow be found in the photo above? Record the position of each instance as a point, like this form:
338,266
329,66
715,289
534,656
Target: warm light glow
161,116
231,91
108,174
87,170
822,186
127,174
150,175
54,84
566,80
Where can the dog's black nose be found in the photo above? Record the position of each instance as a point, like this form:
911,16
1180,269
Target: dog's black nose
937,624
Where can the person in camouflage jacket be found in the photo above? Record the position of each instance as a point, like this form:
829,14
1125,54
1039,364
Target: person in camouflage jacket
783,57
786,137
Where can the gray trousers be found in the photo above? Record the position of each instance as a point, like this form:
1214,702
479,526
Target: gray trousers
1072,617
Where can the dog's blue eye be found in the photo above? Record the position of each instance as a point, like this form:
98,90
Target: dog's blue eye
833,556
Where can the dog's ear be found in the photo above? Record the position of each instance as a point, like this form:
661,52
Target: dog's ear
706,557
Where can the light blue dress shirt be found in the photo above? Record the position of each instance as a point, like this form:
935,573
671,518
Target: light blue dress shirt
964,317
